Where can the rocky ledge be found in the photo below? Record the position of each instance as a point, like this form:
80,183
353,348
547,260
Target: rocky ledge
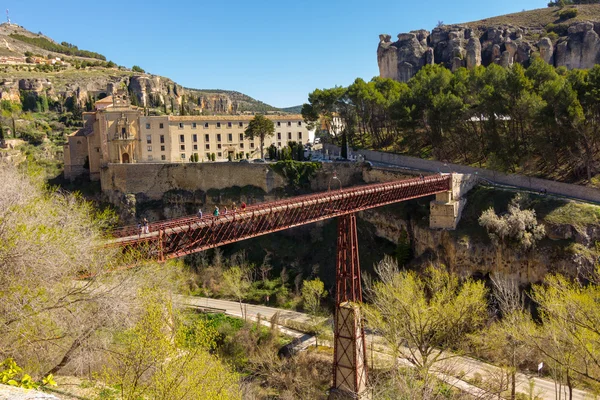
457,46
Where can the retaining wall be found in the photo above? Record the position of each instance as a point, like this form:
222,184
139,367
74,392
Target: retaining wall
525,182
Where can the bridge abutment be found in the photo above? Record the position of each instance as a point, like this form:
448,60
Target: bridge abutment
446,209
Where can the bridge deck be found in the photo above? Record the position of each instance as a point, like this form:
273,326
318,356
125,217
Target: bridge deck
181,236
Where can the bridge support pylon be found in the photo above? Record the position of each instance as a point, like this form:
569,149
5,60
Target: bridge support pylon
350,360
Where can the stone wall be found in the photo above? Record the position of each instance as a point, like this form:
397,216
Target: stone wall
155,179
518,181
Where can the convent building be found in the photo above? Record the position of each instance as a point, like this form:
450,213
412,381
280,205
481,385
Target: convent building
117,132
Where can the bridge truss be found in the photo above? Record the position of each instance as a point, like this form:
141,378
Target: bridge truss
182,236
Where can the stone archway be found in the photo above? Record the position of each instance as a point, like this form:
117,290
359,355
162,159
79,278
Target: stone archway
125,158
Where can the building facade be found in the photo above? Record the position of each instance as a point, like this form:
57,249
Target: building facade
117,132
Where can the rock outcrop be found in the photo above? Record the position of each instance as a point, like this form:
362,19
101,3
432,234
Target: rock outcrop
459,46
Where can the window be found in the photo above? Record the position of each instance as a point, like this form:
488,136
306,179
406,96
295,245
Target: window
149,148
278,135
205,125
278,123
241,137
150,158
289,123
220,154
208,156
182,147
219,146
251,145
230,137
163,157
289,135
241,124
207,138
161,125
195,147
181,138
147,126
148,139
193,125
241,145
278,144
162,138
218,124
181,125
183,156
299,123
123,131
207,146
229,124
194,138
299,135
162,148
218,137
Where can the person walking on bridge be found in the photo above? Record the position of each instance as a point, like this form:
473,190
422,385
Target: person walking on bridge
146,227
199,215
216,212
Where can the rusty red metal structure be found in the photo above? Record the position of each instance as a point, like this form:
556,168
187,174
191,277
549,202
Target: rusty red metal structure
182,236
179,237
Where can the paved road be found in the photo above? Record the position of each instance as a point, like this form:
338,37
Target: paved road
544,388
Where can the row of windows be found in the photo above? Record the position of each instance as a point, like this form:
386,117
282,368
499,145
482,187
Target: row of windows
160,125
195,147
207,137
218,124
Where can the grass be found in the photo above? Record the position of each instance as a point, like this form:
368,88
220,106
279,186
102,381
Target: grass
540,17
576,214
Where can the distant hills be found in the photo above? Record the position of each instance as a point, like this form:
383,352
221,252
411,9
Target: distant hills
36,63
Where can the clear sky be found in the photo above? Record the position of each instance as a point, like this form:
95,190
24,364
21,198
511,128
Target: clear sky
274,51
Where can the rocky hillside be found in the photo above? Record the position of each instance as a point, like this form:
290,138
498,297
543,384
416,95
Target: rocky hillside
33,63
566,37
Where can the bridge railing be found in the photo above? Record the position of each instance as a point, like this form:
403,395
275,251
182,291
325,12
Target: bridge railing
174,238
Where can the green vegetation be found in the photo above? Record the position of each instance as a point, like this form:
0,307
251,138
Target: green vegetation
576,214
64,48
298,174
260,127
540,121
518,226
137,68
567,13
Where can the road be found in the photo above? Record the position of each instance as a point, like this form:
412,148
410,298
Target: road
544,388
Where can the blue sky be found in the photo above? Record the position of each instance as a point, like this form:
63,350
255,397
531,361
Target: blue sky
274,51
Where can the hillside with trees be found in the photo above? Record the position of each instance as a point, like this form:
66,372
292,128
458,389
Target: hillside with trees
540,120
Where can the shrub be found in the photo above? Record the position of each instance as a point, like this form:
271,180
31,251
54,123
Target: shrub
559,29
137,68
517,226
567,13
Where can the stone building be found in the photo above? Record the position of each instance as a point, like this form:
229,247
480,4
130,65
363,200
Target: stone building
117,132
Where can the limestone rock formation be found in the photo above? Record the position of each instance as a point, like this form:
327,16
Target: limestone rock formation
402,59
456,46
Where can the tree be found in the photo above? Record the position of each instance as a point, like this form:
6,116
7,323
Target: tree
1,133
501,340
161,358
518,226
137,68
236,282
48,319
260,127
569,333
313,292
421,316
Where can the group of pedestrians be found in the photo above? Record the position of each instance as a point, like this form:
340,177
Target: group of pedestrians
143,227
217,211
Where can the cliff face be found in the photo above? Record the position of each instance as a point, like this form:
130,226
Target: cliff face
462,46
148,90
468,255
